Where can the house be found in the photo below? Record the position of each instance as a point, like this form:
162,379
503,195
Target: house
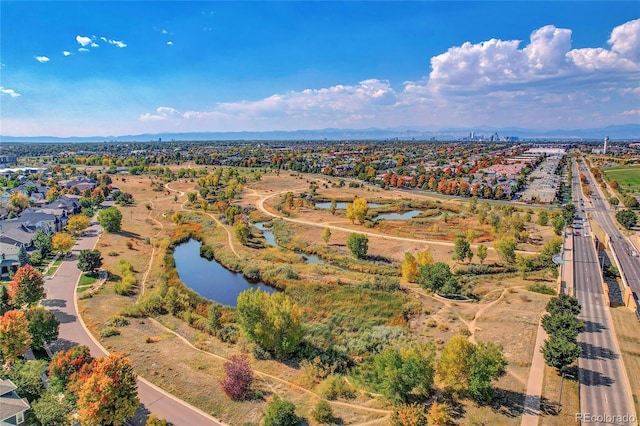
8,258
12,407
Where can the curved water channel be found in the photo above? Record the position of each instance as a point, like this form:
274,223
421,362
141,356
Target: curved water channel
209,278
271,240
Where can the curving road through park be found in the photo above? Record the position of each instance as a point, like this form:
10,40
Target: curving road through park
61,300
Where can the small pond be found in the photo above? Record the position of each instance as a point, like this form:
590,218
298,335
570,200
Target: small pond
267,233
399,216
343,205
209,278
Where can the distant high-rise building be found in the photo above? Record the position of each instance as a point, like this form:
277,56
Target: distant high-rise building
606,142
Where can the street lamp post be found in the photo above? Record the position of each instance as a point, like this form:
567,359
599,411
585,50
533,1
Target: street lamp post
561,385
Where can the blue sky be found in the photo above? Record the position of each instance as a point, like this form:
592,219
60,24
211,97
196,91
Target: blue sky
116,68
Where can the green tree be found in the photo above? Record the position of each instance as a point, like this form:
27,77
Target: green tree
560,352
359,245
27,287
42,242
563,303
402,372
53,408
487,364
506,249
14,335
437,277
215,313
543,218
110,219
192,196
525,264
461,248
273,321
23,257
43,327
326,235
627,218
27,376
568,212
281,413
242,232
322,412
482,252
89,260
558,224
565,324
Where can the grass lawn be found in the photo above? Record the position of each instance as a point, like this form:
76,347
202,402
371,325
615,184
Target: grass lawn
628,332
627,177
87,279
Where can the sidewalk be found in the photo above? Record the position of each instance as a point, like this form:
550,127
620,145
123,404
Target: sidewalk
531,410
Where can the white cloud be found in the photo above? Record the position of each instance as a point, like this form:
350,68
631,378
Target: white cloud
501,82
83,49
66,53
9,92
117,43
83,40
95,45
625,40
164,32
42,59
170,43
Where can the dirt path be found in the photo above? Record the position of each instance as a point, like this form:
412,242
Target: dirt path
260,205
270,376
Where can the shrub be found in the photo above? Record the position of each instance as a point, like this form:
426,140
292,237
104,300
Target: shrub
155,421
206,251
334,387
252,273
117,321
228,334
239,377
108,331
541,288
409,415
281,413
323,412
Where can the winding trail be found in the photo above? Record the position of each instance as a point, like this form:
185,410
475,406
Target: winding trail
260,205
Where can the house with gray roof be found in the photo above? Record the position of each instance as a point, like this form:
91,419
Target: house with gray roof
12,407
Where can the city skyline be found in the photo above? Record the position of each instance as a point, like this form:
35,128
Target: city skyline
89,69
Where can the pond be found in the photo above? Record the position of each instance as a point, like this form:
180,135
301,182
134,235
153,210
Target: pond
267,233
209,278
343,205
399,216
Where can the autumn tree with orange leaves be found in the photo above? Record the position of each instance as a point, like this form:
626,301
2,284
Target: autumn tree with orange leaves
27,287
108,394
14,335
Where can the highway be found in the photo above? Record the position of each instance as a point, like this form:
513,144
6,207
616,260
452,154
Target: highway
61,291
604,388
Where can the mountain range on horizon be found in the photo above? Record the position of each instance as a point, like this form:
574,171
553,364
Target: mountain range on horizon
614,132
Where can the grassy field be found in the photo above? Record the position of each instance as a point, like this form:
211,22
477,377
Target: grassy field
627,177
332,298
628,332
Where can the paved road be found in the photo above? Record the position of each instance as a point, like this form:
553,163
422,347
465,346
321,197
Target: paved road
600,212
61,301
604,386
